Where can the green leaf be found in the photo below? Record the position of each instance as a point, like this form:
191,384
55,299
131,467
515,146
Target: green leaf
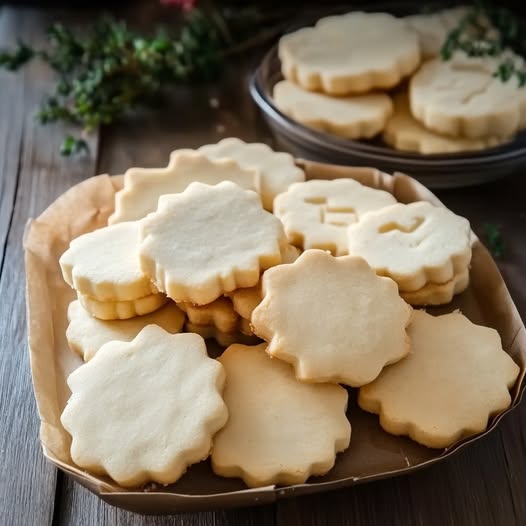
494,239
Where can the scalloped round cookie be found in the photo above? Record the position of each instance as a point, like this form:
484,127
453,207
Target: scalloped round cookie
104,264
413,244
122,310
405,133
220,313
332,318
209,240
277,170
87,334
143,186
352,53
355,117
316,213
454,379
224,339
279,431
462,97
145,410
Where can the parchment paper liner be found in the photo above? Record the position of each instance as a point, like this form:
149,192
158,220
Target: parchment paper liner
373,453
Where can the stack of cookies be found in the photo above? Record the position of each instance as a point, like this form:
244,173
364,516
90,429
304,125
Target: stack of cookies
316,275
361,74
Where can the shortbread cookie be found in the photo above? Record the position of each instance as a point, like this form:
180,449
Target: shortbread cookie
143,411
463,97
454,379
220,313
209,240
277,170
104,264
245,327
333,318
433,28
279,431
316,213
224,339
86,334
143,186
122,310
352,117
413,244
405,133
438,293
352,53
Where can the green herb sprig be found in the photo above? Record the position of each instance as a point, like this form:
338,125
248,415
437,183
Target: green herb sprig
495,240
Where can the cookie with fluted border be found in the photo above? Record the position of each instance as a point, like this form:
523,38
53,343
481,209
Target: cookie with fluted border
352,117
332,318
280,430
343,54
276,170
104,264
224,339
414,244
143,186
145,410
209,240
316,213
456,377
220,313
87,334
463,97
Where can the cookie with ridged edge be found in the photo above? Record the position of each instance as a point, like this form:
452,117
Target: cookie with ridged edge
220,313
224,339
352,117
348,53
104,264
143,186
277,170
316,213
87,334
413,244
280,430
455,378
209,240
332,318
145,410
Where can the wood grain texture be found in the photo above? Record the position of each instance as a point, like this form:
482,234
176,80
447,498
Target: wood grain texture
32,175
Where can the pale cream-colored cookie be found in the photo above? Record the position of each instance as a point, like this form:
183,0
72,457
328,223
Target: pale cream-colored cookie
245,327
122,310
87,334
413,244
143,411
224,339
220,313
277,170
279,431
316,213
463,97
104,264
143,186
333,318
352,53
433,28
454,379
405,133
352,117
438,293
209,240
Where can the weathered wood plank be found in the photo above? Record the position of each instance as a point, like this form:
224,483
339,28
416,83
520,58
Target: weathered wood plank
33,174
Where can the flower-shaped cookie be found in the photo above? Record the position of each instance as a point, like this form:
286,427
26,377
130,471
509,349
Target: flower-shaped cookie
348,53
209,240
413,244
220,313
143,186
454,379
316,213
333,318
276,169
280,430
145,410
86,334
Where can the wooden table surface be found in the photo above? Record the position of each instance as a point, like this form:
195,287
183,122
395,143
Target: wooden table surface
482,485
